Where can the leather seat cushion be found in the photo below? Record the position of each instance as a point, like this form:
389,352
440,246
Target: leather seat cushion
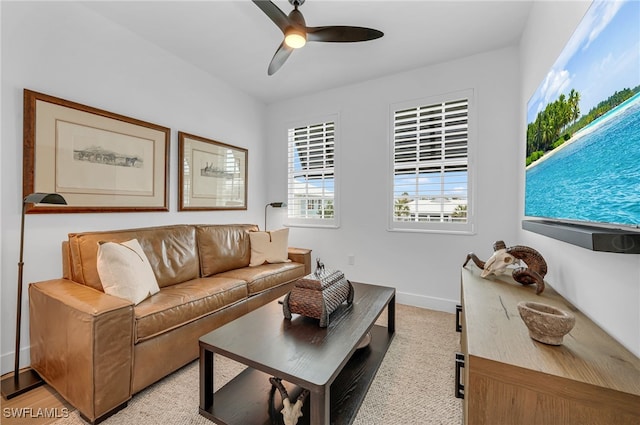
177,305
223,247
266,276
171,251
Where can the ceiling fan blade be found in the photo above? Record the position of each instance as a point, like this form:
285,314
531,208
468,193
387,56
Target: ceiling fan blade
279,58
274,13
342,34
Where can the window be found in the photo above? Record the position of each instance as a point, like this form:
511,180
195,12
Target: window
312,174
430,162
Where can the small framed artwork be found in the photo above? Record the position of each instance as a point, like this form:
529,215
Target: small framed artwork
97,160
212,175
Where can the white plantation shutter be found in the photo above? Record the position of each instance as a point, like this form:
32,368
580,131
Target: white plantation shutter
430,155
311,182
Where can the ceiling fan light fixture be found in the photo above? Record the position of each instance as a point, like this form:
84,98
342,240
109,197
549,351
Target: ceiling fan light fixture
295,39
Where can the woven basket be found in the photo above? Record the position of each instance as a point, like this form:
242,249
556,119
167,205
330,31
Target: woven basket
317,295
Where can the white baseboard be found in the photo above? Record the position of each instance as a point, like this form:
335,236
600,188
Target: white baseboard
431,303
7,361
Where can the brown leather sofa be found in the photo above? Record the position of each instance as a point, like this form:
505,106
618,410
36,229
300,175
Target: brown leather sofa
97,350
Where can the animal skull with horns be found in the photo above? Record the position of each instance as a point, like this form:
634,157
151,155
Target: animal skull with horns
503,257
290,412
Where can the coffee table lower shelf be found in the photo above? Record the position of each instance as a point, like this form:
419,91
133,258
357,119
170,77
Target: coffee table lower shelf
246,398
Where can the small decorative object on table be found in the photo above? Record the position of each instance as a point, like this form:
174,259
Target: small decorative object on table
534,272
318,294
546,323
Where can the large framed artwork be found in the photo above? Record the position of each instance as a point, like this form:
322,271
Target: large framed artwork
213,175
98,160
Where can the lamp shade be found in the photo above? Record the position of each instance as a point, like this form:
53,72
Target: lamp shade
278,204
44,198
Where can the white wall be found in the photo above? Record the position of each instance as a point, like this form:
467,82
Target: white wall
424,267
66,50
604,286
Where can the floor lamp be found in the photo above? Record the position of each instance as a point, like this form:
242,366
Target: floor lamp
272,205
19,383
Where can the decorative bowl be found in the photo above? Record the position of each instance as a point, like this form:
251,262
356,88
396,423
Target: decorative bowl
547,324
364,341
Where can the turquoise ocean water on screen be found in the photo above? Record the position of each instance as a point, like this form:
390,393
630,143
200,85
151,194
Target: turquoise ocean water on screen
596,178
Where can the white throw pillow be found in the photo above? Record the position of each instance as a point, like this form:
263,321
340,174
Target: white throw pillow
125,271
269,247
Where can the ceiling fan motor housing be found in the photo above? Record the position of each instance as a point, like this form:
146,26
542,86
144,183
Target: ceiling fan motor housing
296,18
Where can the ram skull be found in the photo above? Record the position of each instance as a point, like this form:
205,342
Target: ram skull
498,263
534,272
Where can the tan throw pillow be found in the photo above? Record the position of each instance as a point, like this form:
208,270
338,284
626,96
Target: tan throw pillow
269,247
125,271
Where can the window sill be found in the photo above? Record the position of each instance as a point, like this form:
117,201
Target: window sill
441,231
313,225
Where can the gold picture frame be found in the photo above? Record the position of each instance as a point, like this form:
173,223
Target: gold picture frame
212,175
97,160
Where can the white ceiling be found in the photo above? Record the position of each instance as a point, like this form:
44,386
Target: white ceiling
235,40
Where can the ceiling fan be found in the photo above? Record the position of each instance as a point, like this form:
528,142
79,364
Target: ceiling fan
297,33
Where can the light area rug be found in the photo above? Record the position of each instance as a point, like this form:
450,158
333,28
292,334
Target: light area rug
414,385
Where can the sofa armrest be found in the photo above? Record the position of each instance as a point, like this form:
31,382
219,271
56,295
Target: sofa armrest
302,256
82,344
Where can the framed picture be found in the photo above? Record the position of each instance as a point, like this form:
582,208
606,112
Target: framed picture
97,160
212,176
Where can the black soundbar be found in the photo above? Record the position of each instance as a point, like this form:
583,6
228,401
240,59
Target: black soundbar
586,236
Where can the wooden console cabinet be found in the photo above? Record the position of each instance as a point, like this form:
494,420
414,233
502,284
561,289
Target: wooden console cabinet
508,378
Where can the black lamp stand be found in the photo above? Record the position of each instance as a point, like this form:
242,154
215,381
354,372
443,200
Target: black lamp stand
27,380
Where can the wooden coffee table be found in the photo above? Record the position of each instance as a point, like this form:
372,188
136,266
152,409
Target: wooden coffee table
322,360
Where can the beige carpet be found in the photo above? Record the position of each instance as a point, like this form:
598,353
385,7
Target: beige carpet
414,384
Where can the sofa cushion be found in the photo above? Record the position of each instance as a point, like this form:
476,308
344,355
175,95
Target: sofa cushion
171,251
185,302
125,271
223,247
267,276
269,247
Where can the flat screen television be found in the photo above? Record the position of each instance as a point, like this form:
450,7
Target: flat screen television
583,126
